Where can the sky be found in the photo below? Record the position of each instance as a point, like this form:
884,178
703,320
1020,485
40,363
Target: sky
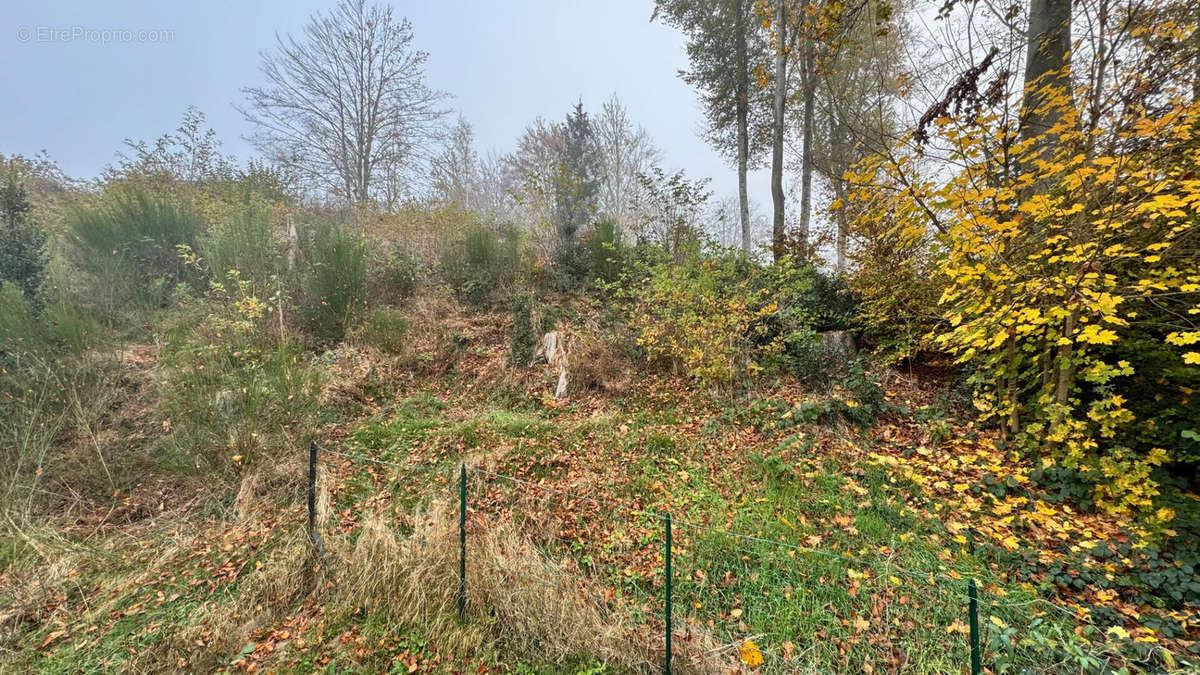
81,76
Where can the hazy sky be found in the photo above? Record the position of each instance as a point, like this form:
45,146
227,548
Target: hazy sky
505,62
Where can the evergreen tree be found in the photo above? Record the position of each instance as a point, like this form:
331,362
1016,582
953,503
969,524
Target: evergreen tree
22,242
576,188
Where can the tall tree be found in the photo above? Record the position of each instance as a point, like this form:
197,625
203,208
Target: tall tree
808,79
577,184
346,103
528,174
742,111
738,114
859,67
455,172
625,151
781,55
1047,71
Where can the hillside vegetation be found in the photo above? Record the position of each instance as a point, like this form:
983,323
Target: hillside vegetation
571,417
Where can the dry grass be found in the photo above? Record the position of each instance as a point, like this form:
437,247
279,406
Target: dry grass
517,598
288,574
598,365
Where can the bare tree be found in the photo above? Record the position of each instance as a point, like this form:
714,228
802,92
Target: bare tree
455,172
625,152
346,104
530,173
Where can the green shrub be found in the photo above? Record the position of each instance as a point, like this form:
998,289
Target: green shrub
22,242
232,387
832,303
602,252
20,330
386,329
805,357
481,266
393,274
333,280
71,327
131,244
244,242
867,400
522,338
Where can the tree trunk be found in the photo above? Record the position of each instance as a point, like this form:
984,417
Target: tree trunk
1014,387
777,141
1047,72
743,105
837,151
1196,55
806,167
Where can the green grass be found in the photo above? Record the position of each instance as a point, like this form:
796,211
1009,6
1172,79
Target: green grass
778,539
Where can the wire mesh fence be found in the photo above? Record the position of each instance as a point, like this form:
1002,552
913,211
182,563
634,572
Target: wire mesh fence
704,598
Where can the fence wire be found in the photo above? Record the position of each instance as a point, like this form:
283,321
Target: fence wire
749,608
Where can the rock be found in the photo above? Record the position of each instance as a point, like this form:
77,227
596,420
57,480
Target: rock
838,345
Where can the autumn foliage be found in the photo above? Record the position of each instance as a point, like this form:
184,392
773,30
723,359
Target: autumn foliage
1066,263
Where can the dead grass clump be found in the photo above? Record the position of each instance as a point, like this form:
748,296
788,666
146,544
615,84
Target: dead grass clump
599,365
281,477
439,333
264,596
516,598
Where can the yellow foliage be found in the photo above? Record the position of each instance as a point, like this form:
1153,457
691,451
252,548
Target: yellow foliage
1045,252
750,654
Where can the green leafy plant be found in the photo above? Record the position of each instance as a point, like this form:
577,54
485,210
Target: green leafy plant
22,242
393,274
522,337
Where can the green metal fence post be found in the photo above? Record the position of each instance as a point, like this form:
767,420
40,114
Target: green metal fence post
973,616
313,535
667,661
312,488
462,540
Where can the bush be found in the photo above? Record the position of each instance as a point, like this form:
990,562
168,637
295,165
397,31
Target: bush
333,280
244,242
385,329
481,266
703,316
831,301
22,242
393,274
131,244
522,338
867,400
232,388
20,330
73,328
805,356
602,252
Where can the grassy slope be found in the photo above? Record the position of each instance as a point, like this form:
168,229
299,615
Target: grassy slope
855,551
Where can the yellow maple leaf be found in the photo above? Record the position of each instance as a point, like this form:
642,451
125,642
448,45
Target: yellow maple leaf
750,654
